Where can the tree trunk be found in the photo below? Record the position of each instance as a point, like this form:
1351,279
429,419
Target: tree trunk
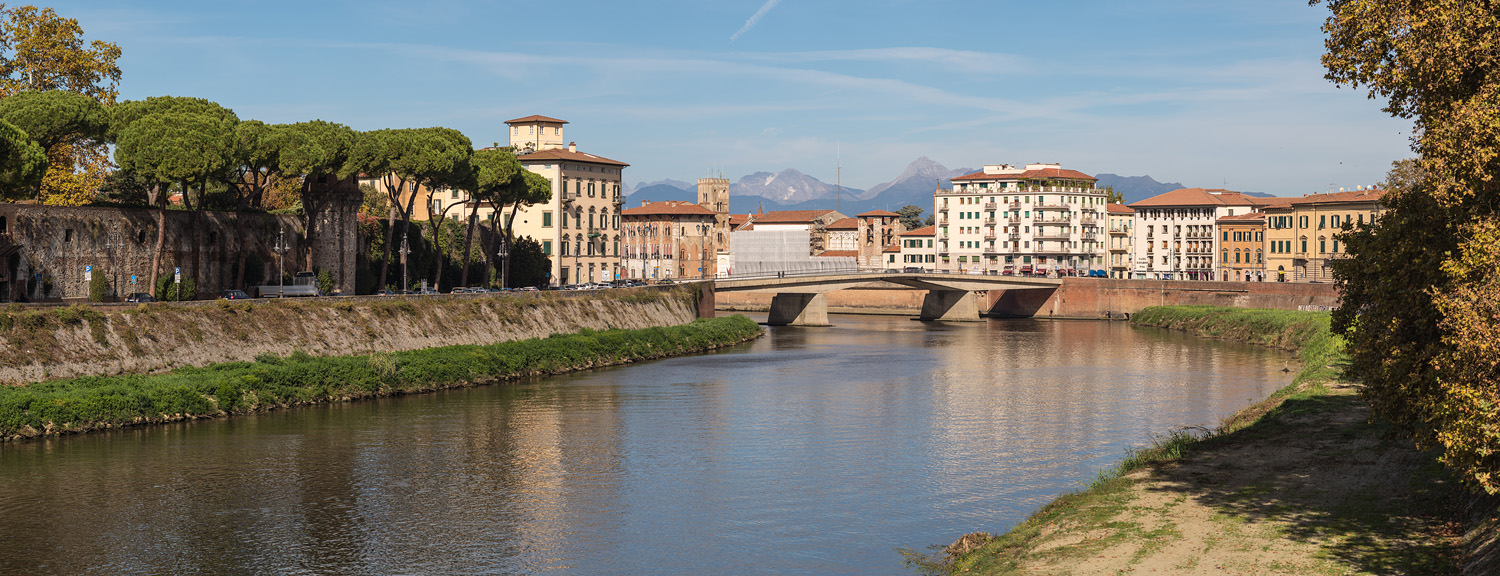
508,239
161,235
195,259
468,244
390,240
489,253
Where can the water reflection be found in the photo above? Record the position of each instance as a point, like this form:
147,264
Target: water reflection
812,451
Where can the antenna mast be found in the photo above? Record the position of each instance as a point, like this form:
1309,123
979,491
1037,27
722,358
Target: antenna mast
838,177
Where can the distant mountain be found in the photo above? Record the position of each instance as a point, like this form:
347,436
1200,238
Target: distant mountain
1136,188
658,193
1259,194
669,182
787,187
920,177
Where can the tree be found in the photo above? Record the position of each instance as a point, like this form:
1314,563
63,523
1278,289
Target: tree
1416,335
529,265
408,162
1113,197
320,154
450,171
22,162
40,51
491,171
911,216
527,190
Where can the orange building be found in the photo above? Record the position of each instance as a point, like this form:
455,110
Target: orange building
1242,247
672,239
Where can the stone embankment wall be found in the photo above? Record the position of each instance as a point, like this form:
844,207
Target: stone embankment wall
48,343
1076,298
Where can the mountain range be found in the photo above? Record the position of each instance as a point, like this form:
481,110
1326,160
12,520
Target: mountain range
793,190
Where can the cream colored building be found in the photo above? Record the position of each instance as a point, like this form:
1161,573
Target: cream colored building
915,249
1039,220
1175,232
1302,233
1121,239
580,228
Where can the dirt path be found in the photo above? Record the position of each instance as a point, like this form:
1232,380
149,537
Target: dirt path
1311,488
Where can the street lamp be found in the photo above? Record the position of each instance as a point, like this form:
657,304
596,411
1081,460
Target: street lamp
109,248
280,249
503,253
405,249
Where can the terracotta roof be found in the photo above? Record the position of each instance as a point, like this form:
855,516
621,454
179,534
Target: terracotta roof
1251,218
565,154
1114,208
791,216
892,249
837,253
879,213
534,118
845,224
1199,197
1368,195
924,231
668,207
1042,173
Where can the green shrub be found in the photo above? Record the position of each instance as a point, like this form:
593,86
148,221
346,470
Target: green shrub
325,281
169,291
98,286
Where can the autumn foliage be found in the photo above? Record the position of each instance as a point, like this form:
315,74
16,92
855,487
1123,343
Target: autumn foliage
1421,306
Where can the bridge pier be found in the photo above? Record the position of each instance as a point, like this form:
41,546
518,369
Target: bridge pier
950,305
798,309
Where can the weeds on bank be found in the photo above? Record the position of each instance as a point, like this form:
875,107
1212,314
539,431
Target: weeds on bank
271,382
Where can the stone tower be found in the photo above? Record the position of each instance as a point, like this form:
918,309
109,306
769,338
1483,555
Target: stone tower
713,194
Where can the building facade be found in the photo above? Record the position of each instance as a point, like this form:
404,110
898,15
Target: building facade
916,249
1121,240
1242,240
1039,220
1302,234
1174,232
671,239
579,229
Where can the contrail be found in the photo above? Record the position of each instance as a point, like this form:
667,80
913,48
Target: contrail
754,19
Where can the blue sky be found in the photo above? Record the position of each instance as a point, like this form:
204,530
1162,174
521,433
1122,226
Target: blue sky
1205,92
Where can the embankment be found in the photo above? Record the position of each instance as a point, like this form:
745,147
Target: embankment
1302,482
42,344
273,382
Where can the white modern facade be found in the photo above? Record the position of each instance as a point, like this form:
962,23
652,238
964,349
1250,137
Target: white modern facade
1175,235
1040,220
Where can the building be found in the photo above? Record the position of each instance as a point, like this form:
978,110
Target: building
579,229
1302,233
1174,232
843,236
1121,238
916,250
814,222
878,230
1242,240
672,239
1038,220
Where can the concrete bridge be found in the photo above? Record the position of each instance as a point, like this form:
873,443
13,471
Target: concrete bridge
801,300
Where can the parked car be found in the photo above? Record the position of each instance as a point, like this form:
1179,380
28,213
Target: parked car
234,295
914,270
140,297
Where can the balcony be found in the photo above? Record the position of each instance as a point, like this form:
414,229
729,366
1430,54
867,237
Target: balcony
1014,219
990,206
943,208
989,221
1053,236
1014,206
1014,237
942,220
991,249
990,235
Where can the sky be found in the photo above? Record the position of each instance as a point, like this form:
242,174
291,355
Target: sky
1210,93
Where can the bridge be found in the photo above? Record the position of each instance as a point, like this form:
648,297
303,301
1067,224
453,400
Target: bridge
800,300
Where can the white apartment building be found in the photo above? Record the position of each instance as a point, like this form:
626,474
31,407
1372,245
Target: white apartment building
1041,220
1121,240
1174,232
915,250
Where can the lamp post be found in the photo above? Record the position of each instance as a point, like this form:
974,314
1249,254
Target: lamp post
504,254
109,248
280,249
405,249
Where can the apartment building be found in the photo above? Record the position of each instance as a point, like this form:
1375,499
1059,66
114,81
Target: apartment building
1040,220
671,239
1174,232
1121,239
915,250
580,227
1242,241
1302,234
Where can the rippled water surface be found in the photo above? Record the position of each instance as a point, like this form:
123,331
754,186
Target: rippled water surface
810,451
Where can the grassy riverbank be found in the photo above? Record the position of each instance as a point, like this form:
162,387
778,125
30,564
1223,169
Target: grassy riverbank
272,382
1300,483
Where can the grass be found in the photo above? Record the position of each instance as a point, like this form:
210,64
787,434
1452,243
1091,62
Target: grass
272,382
1079,525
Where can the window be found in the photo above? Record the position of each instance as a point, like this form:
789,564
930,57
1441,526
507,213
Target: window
1322,222
68,235
1304,242
565,246
547,219
1335,245
591,188
1304,224
1322,245
547,247
1226,236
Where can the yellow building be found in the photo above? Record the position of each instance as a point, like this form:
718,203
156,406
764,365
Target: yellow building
1242,240
1302,233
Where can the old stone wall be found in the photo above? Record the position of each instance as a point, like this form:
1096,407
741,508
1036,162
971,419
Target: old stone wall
47,252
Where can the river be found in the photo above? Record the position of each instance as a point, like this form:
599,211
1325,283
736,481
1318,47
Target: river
809,451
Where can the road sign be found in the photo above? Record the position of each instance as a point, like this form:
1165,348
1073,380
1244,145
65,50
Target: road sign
132,279
177,275
88,269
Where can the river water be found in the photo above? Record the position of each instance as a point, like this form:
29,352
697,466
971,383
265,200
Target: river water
809,451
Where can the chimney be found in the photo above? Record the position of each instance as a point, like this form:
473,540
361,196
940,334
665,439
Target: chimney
572,146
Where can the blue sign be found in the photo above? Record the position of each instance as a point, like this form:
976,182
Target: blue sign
38,276
88,269
132,279
177,270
